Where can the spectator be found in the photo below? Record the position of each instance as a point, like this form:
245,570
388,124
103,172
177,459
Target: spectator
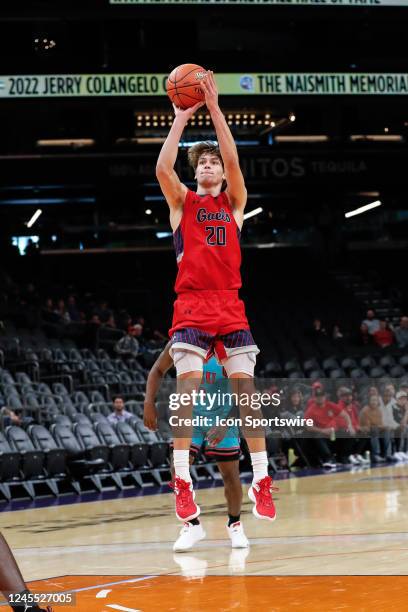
62,312
324,414
124,320
403,386
317,329
317,385
337,334
371,321
365,337
292,438
31,248
119,413
383,336
401,333
10,417
371,423
387,406
357,445
48,312
73,310
400,414
128,346
111,323
103,311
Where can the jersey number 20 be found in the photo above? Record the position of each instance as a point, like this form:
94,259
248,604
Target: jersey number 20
215,235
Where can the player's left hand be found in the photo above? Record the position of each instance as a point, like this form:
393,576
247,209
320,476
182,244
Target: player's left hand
215,435
209,87
150,416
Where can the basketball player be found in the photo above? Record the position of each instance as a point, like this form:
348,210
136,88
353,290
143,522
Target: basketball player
206,229
11,580
223,445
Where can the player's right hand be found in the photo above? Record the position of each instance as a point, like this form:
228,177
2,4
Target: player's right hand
188,112
150,416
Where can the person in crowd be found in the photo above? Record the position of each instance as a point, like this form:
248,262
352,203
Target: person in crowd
387,405
383,337
325,415
337,334
129,346
357,444
111,323
400,414
62,312
365,338
293,438
10,417
73,310
119,413
317,329
124,320
372,424
48,312
103,311
401,333
371,321
317,385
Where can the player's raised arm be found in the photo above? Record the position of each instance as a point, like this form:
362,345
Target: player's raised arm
236,189
173,190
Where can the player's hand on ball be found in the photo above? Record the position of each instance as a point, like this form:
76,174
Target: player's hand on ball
150,416
188,112
209,87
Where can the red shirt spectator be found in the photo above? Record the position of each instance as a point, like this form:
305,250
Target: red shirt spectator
323,412
346,404
384,336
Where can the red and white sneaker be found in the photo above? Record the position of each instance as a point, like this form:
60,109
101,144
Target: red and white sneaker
186,508
261,494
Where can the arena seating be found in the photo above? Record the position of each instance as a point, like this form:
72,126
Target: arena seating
63,390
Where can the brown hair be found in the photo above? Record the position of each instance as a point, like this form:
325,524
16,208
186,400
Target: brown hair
195,152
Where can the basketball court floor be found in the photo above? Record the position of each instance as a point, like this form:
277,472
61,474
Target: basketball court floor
340,542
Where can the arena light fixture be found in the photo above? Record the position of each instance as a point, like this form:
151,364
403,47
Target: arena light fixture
376,137
34,218
236,118
148,211
302,138
252,213
66,142
362,209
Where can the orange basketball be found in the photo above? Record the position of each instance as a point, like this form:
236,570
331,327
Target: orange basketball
183,85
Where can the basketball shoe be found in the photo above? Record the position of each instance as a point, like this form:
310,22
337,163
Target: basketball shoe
186,508
189,535
237,535
260,493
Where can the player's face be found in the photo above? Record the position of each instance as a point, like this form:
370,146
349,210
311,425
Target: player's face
209,171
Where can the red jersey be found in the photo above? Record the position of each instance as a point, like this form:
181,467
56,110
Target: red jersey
323,416
207,245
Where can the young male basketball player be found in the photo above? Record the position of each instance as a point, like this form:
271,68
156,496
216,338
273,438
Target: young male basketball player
221,445
11,580
206,228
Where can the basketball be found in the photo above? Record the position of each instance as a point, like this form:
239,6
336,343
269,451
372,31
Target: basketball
183,85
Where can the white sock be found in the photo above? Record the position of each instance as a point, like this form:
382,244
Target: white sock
259,465
181,460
